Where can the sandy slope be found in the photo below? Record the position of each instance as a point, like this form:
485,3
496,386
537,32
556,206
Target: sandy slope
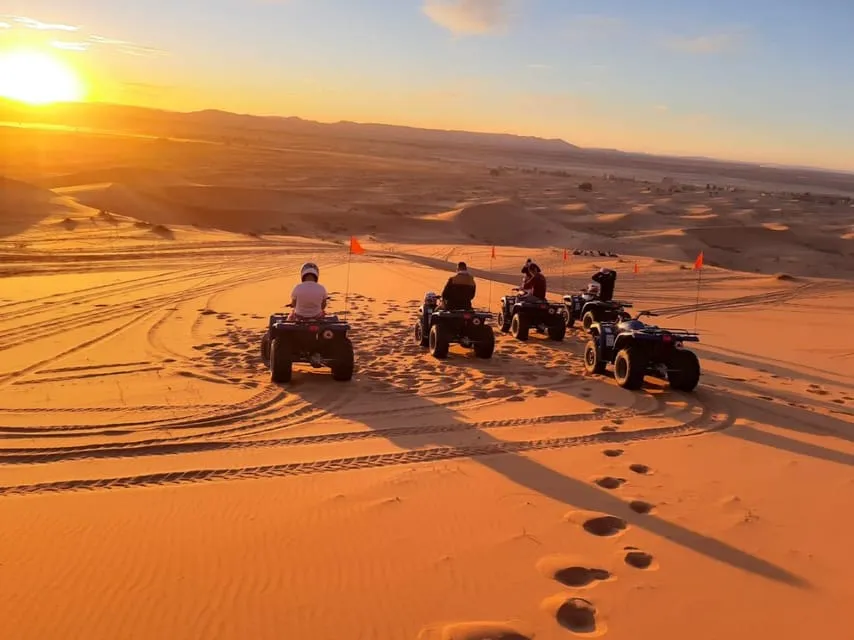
155,484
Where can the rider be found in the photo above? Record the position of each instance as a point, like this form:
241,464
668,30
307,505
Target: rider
607,279
593,292
309,297
535,282
459,290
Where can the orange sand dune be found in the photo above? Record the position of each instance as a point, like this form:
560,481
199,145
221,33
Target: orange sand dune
154,483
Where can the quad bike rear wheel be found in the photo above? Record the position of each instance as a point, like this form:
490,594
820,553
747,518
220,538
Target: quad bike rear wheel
630,368
343,360
557,332
281,364
683,370
485,346
519,327
439,343
265,347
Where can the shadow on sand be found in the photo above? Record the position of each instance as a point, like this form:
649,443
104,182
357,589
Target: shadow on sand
528,473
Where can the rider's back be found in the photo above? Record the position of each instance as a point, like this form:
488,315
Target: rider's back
309,297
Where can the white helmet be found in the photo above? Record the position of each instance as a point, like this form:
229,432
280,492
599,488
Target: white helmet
309,268
594,288
604,270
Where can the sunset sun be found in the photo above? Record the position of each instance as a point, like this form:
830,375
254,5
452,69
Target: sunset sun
37,79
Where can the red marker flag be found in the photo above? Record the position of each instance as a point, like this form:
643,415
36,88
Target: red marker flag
565,255
637,268
698,263
355,247
493,252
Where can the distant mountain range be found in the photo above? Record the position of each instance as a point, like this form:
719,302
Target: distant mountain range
157,122
224,126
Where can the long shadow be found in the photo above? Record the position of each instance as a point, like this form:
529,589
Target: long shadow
569,491
793,418
774,367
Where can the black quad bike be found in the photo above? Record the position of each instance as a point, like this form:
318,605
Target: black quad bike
637,349
519,315
437,329
320,343
576,307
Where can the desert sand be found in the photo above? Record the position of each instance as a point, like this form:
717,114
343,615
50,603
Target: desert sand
155,484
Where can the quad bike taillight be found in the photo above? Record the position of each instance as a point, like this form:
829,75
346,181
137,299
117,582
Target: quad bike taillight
328,334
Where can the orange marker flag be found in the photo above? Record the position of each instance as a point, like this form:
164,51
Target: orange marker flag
698,263
493,252
355,247
636,269
565,255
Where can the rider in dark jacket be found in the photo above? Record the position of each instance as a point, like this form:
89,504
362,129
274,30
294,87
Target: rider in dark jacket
460,290
607,279
535,282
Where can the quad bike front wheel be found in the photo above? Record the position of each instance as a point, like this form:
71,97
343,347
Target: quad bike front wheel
503,323
421,338
587,321
593,363
683,370
630,368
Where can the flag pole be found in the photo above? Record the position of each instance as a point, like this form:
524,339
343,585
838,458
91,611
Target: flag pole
491,276
347,290
698,265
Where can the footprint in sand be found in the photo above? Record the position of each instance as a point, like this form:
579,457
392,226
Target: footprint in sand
641,507
612,453
817,390
577,577
641,469
610,483
638,559
604,526
609,428
574,614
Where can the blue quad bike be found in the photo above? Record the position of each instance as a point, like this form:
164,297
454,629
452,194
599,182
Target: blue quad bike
519,315
320,343
636,349
578,307
438,328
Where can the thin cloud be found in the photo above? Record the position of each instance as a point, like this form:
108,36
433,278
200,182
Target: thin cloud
707,44
661,107
80,42
540,66
30,23
70,46
469,17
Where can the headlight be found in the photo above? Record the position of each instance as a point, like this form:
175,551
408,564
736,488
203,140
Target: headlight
552,311
476,322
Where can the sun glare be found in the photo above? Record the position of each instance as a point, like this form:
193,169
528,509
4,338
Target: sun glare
37,78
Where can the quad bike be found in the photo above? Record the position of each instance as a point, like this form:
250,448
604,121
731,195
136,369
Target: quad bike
590,310
319,342
519,314
636,349
438,328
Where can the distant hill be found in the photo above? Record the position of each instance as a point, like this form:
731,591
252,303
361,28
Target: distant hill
173,123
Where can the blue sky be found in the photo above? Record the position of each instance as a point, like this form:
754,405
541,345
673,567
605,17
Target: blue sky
751,79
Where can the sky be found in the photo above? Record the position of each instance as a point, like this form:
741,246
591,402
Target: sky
759,80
